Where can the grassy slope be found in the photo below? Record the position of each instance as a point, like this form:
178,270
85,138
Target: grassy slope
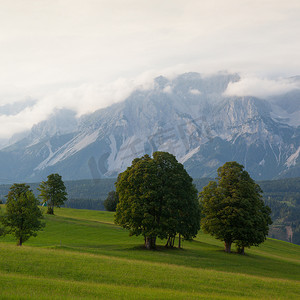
82,254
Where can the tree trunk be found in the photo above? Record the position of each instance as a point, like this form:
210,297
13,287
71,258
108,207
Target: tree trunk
179,241
168,242
150,243
241,250
50,210
20,242
227,246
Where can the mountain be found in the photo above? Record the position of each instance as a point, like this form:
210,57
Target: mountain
188,116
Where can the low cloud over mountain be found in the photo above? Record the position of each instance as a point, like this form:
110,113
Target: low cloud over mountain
203,120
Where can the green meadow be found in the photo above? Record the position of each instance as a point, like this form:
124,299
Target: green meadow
81,254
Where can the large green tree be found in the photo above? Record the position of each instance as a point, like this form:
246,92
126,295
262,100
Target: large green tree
23,215
233,210
53,192
157,199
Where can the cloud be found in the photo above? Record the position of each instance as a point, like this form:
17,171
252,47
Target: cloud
84,99
260,87
24,120
43,42
195,92
167,89
87,98
83,55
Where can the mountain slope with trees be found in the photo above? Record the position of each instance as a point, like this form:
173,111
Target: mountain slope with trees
282,196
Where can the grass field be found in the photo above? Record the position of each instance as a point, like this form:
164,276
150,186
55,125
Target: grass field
81,254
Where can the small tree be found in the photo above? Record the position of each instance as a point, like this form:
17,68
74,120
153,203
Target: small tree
53,192
23,216
157,199
233,210
110,203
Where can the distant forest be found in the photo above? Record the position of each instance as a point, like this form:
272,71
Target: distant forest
283,197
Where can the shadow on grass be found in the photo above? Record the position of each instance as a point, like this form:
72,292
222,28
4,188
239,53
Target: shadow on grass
158,248
218,260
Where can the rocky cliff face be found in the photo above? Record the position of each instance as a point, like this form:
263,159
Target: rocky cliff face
188,116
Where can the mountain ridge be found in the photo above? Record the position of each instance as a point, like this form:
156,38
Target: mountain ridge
188,116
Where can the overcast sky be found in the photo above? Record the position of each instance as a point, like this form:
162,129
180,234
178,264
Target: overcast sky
86,54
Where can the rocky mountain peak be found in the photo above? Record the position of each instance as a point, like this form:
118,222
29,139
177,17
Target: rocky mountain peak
188,116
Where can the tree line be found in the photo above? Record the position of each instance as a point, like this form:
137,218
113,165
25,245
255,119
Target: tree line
156,198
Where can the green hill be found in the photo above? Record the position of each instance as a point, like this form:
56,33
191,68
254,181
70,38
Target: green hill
81,254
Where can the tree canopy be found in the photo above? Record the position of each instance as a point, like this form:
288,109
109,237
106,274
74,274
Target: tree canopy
23,216
53,192
233,210
157,199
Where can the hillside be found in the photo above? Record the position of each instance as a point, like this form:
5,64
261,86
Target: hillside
82,255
